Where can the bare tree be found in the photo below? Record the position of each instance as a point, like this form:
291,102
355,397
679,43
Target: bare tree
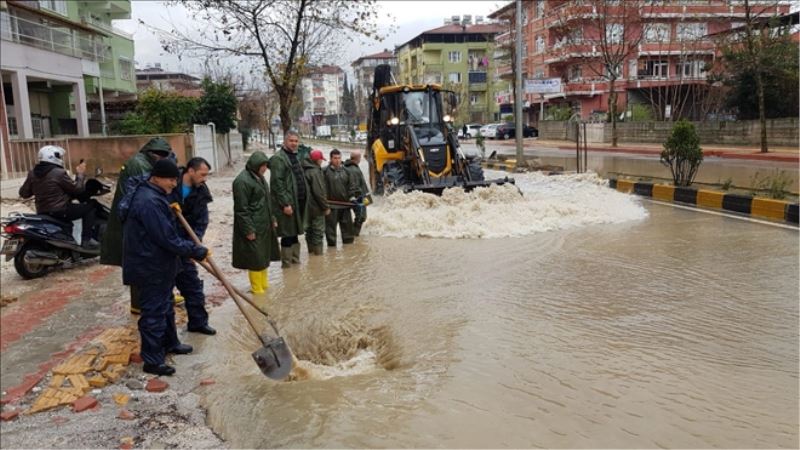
285,35
612,31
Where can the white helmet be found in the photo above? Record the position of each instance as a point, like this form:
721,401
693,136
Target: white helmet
52,154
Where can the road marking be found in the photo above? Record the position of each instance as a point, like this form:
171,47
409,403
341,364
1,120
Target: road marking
718,213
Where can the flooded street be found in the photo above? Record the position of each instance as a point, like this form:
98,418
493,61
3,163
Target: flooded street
574,316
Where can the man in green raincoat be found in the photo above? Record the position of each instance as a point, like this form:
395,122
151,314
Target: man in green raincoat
289,195
362,190
342,189
255,242
318,206
141,163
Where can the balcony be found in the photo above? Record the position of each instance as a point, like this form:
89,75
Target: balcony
117,9
94,21
54,38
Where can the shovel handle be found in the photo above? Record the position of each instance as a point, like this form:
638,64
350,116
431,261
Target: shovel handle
212,268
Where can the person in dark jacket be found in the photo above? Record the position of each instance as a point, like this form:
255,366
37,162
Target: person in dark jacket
152,249
255,242
341,188
318,206
137,166
52,189
289,195
193,196
360,212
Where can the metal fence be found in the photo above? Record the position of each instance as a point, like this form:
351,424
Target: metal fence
24,154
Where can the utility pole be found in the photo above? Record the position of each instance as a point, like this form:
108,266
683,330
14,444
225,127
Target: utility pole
518,82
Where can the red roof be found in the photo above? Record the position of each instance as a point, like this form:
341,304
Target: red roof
326,69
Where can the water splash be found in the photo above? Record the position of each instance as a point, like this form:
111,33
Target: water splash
549,203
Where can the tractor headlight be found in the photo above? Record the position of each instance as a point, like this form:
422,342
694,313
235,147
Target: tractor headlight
447,118
393,121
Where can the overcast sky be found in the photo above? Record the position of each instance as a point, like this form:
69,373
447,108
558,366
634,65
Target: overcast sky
408,17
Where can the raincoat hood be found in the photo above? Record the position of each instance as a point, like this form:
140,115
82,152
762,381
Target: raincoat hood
256,160
156,144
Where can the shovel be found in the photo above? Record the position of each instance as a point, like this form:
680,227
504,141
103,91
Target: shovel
274,357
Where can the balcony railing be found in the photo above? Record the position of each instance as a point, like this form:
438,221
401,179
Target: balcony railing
61,40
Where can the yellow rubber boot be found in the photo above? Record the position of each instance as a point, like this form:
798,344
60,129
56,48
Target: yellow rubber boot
255,281
264,279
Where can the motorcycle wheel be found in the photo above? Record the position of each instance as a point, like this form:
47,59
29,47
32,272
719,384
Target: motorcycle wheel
26,269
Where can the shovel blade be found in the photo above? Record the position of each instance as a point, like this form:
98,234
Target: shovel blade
274,358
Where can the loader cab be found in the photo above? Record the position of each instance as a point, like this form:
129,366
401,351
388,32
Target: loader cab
421,109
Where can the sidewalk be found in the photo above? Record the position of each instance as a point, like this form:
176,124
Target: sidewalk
776,154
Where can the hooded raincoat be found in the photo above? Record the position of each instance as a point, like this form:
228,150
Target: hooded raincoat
253,214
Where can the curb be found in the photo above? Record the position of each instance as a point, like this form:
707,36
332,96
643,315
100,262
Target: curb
507,166
765,208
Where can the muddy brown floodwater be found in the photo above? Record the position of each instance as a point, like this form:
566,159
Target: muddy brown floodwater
575,316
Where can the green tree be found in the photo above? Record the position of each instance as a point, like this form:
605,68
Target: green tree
761,59
217,105
778,67
682,153
348,101
159,112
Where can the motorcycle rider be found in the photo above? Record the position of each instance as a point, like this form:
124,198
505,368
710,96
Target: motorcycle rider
53,189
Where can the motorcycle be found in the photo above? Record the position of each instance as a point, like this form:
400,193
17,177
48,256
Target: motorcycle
39,243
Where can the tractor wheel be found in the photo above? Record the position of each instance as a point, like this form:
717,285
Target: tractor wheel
475,170
393,178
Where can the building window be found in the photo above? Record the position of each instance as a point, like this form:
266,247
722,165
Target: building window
656,69
656,32
454,57
575,73
614,33
538,73
454,77
539,44
59,6
691,31
612,71
125,69
473,99
691,69
539,8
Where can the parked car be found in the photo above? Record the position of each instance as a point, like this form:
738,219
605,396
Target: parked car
508,130
489,130
472,131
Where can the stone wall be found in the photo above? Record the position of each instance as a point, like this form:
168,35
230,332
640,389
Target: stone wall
780,132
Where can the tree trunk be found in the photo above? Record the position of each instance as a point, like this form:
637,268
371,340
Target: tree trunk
762,118
285,105
612,109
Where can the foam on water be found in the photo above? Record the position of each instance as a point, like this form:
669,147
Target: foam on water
364,361
549,203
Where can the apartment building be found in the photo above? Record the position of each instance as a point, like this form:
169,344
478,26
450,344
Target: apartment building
323,88
664,67
459,56
363,69
58,57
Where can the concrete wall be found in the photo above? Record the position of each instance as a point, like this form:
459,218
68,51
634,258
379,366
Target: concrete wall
110,153
780,132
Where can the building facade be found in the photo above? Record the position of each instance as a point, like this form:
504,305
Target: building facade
459,56
322,90
663,69
363,69
57,58
157,78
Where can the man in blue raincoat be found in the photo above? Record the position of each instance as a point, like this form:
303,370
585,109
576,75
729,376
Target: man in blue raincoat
152,250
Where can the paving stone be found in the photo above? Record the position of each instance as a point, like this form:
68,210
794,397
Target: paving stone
207,382
135,385
124,414
136,358
5,416
156,385
84,403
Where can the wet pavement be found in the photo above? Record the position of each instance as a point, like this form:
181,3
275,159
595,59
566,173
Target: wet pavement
575,316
